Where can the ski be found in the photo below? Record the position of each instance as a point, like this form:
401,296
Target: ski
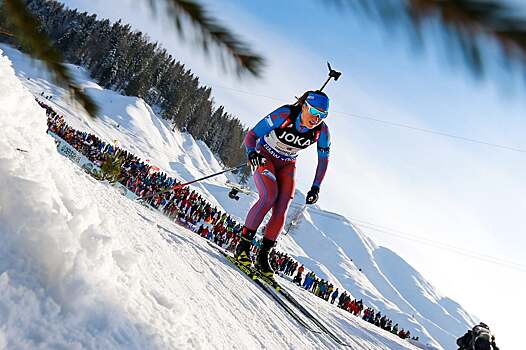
270,289
273,287
286,307
255,274
310,316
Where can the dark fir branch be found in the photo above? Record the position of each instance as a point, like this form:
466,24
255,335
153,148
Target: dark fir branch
27,32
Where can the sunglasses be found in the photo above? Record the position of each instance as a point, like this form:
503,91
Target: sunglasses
316,112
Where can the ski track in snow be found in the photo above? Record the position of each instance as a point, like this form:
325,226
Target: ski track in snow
83,267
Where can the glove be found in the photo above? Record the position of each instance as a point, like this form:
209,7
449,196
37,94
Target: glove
256,159
312,195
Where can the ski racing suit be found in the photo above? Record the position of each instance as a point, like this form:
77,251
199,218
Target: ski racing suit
279,137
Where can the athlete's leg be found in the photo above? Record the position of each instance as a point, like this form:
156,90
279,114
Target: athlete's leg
265,180
286,186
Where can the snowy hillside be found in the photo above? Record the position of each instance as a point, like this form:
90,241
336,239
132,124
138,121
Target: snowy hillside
125,121
113,274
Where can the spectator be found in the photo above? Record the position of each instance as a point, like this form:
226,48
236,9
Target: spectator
299,277
334,296
478,338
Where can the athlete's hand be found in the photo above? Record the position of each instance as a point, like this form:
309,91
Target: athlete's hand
256,159
312,195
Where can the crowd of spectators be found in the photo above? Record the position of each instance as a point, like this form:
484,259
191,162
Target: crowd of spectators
189,208
320,287
87,144
384,322
282,263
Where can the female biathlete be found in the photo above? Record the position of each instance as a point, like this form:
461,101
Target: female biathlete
272,147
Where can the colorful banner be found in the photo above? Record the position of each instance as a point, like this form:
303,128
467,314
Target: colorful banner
70,152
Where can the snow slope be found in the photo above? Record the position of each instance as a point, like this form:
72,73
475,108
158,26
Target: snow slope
385,281
84,268
325,242
126,121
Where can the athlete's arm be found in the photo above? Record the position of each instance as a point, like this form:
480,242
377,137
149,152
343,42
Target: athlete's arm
324,145
272,121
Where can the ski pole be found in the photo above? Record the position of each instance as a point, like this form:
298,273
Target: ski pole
179,186
296,219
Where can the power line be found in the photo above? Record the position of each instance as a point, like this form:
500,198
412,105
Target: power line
453,249
435,132
247,92
418,239
389,123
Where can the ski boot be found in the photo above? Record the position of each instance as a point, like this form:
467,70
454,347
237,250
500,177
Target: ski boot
242,254
262,260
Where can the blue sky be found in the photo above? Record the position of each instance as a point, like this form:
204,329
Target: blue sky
463,194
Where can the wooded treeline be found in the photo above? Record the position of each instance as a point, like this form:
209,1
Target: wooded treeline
125,60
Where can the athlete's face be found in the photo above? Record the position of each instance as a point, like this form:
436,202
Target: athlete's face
309,120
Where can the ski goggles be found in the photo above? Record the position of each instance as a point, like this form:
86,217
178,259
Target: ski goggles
316,112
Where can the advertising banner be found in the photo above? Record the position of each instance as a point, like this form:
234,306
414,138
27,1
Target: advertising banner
68,151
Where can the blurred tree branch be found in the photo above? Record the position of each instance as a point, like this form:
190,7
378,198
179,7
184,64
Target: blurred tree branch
25,28
210,32
467,26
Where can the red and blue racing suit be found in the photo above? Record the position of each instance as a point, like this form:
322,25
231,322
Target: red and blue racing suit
279,137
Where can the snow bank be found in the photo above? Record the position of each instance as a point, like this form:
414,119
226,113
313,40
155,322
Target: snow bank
126,121
56,258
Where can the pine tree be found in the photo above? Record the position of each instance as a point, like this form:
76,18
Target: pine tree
198,122
111,168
